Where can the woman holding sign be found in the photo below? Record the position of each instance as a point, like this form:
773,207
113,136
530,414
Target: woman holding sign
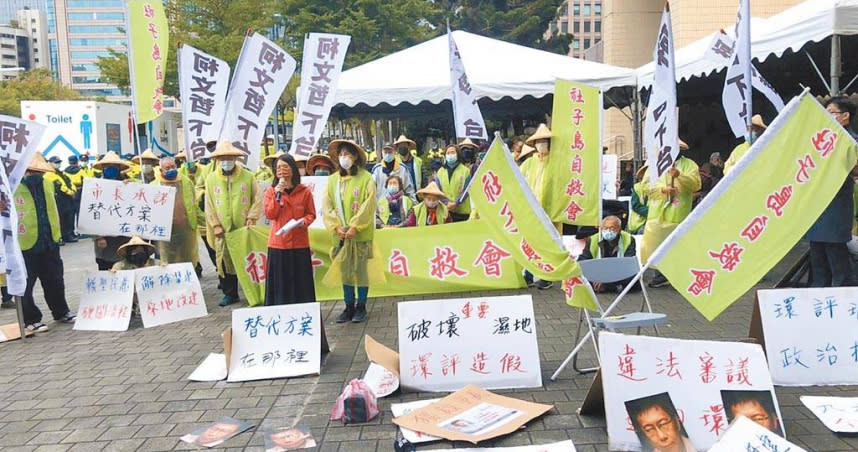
289,206
349,214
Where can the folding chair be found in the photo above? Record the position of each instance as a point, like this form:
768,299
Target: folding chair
604,271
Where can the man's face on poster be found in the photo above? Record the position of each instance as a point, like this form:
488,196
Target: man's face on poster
754,411
288,438
661,430
217,432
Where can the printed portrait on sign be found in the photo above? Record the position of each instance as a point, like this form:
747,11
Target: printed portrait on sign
289,439
216,433
758,406
658,425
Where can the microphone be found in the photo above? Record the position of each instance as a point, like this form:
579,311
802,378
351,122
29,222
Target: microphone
280,193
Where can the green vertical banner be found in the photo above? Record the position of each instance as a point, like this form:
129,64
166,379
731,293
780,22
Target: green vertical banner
248,249
575,169
148,44
758,212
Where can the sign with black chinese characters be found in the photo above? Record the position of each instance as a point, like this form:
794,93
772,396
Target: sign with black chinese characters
169,293
260,76
275,342
445,345
115,208
106,300
18,142
320,74
203,83
720,51
709,384
466,112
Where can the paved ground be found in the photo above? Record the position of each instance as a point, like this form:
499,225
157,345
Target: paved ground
87,391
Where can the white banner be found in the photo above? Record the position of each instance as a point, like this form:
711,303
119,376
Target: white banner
203,83
169,293
260,76
710,383
324,54
115,208
720,51
445,345
810,335
661,129
736,97
275,342
609,176
745,435
106,300
319,186
466,111
839,414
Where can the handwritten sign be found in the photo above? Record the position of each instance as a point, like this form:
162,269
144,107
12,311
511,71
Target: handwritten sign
380,381
746,435
445,345
839,414
115,208
698,375
401,409
275,342
810,335
318,185
106,300
203,81
169,293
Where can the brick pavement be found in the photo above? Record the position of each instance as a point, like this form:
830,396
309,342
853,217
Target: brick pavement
88,391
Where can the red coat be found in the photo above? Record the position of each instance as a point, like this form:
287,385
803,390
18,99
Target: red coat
298,204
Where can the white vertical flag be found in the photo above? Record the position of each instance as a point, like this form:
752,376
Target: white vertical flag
736,96
260,76
721,51
661,129
466,112
320,74
203,83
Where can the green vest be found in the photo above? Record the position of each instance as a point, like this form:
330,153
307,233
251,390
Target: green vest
453,185
422,212
384,208
596,252
354,193
637,220
188,197
231,196
28,227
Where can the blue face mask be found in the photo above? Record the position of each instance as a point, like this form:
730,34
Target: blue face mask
451,160
190,165
171,174
111,172
322,173
609,234
388,158
392,189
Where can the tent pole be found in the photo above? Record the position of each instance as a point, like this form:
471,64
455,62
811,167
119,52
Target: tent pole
836,68
636,128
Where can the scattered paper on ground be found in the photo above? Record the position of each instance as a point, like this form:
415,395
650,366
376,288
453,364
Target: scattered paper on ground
213,368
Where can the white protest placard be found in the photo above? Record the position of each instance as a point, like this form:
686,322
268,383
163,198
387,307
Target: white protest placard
445,345
275,342
745,435
169,293
213,368
106,300
380,381
115,208
708,382
318,185
562,446
203,83
609,176
839,414
401,409
810,335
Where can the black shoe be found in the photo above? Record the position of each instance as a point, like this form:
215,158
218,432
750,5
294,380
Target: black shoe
658,281
347,314
61,243
530,284
8,304
360,314
544,285
70,240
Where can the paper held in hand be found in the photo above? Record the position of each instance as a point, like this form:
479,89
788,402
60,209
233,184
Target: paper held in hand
290,225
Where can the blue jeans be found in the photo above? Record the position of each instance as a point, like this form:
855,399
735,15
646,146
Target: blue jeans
349,295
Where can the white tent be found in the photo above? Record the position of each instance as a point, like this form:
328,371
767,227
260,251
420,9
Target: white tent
496,69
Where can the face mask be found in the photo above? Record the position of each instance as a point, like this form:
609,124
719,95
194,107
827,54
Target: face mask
191,166
111,172
84,163
204,161
345,162
609,234
171,174
227,165
451,160
431,204
388,158
541,147
402,151
138,259
56,166
322,172
392,189
147,168
468,155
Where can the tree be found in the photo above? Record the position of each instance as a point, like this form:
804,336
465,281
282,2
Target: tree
37,84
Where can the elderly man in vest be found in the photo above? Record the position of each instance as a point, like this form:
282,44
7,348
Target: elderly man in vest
611,241
39,238
232,201
182,246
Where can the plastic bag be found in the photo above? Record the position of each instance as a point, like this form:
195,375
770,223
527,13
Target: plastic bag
356,404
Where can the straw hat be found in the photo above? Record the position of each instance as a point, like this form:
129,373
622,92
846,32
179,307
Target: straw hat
542,133
405,140
431,189
147,156
38,163
334,151
757,120
467,143
270,158
683,146
180,155
525,151
319,160
135,241
111,158
226,149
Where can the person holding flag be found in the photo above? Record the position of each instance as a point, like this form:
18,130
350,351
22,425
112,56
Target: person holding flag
535,172
755,130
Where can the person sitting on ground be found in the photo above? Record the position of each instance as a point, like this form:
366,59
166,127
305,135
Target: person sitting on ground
611,241
431,211
134,254
394,206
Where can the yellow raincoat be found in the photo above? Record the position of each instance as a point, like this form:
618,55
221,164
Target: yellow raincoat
737,153
666,213
182,246
230,201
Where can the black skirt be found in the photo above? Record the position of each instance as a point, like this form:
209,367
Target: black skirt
290,277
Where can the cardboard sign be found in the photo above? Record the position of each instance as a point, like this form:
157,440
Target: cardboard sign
115,208
472,414
381,355
106,301
562,446
746,435
489,342
401,409
810,335
839,414
275,342
213,368
169,293
708,382
11,332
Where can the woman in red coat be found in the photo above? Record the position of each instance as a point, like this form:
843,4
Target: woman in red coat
290,269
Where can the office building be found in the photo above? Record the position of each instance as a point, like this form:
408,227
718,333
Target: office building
9,9
23,43
583,20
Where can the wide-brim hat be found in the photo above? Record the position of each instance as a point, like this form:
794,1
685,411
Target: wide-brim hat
334,150
180,155
135,241
226,149
147,156
405,140
683,146
542,133
431,189
319,160
270,158
525,151
38,163
111,158
641,172
757,120
467,143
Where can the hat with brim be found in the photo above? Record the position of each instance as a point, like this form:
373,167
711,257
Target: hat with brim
431,189
542,133
467,143
683,146
334,150
269,159
319,160
147,157
111,158
757,120
226,149
181,155
405,140
641,172
135,241
525,151
38,163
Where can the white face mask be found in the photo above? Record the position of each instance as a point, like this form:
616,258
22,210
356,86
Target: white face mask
227,165
431,204
541,147
345,162
146,168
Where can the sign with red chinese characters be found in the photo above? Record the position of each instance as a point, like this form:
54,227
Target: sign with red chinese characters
445,345
115,208
710,383
105,302
169,293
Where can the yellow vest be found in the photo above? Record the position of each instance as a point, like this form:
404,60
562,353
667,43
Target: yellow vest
28,222
421,212
188,197
384,208
453,184
596,252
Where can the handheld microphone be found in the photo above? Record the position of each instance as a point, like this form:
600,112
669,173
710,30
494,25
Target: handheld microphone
280,193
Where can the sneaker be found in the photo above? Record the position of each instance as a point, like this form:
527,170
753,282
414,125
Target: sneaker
227,300
347,314
360,314
531,284
68,317
544,285
37,327
658,281
8,304
72,240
